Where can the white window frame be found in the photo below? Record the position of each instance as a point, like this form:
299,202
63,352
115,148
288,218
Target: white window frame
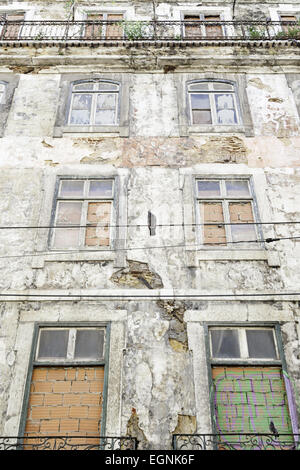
211,93
225,200
3,92
85,199
95,94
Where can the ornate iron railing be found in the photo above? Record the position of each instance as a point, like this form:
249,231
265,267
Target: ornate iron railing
67,443
187,31
236,442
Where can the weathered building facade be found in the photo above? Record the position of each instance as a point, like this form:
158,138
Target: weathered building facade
149,235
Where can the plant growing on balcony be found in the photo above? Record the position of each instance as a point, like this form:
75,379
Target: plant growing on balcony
255,33
293,32
134,30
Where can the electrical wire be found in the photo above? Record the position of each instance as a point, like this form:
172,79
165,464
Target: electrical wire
125,296
32,227
112,250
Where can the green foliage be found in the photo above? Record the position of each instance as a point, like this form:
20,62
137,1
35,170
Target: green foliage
134,29
293,32
255,33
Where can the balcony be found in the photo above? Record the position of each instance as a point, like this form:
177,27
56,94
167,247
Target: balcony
236,442
68,443
112,33
180,442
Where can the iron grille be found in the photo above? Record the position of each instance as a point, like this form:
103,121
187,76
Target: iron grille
68,443
236,441
187,31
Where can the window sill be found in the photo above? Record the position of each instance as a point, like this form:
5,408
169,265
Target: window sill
214,129
194,257
122,131
38,262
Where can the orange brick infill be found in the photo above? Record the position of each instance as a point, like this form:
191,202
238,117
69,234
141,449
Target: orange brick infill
65,401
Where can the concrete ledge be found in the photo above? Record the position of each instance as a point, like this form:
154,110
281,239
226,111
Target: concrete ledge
38,262
193,257
146,294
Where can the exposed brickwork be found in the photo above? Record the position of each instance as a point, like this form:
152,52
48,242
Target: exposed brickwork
65,401
240,212
213,212
98,212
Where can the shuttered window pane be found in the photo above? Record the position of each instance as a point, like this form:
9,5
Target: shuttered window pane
225,343
89,344
53,343
261,344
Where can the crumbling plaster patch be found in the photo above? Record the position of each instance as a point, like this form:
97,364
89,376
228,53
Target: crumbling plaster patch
157,382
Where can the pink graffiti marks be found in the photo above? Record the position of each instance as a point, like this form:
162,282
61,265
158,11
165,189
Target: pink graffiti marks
248,399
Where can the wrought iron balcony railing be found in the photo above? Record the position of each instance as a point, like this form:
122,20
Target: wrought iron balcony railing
86,32
68,443
236,442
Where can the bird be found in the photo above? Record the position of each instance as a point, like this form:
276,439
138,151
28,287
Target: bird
273,429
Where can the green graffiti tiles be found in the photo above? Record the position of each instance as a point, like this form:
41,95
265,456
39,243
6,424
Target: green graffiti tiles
247,399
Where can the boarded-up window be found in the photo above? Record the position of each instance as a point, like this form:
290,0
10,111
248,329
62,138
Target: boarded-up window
213,103
202,26
12,26
104,26
213,29
286,19
249,398
66,399
94,103
226,209
83,214
192,26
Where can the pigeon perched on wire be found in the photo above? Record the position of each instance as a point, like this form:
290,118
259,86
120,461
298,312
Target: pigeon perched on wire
273,429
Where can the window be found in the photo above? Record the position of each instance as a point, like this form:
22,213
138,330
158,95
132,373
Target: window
11,25
249,390
209,26
83,214
70,344
108,28
285,20
226,211
212,103
94,103
2,92
243,343
67,385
